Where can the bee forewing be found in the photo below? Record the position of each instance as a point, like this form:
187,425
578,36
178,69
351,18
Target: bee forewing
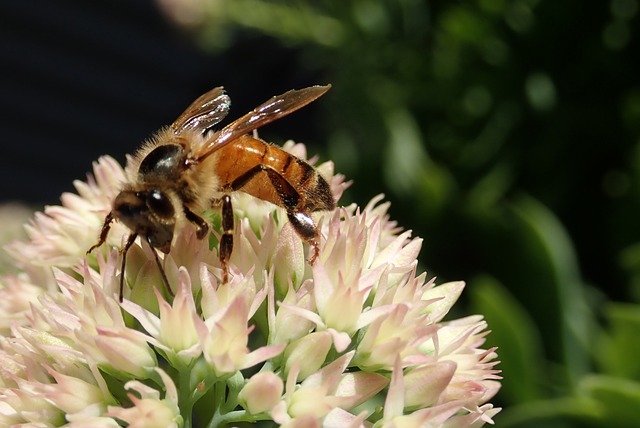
207,110
275,108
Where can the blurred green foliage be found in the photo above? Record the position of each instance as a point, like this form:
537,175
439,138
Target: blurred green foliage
505,132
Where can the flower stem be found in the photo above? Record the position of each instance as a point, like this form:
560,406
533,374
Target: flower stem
186,399
222,420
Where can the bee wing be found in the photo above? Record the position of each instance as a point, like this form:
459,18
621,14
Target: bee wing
275,108
207,110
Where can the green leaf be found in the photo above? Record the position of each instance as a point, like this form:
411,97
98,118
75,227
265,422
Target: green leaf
619,348
516,336
563,296
618,400
564,412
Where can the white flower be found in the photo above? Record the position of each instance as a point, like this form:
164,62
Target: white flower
300,345
149,410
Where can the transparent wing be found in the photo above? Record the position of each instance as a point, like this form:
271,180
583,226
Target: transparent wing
207,110
275,108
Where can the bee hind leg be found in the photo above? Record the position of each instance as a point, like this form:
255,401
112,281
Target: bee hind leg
307,230
290,199
301,220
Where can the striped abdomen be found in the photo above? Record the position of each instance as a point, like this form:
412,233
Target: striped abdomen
243,166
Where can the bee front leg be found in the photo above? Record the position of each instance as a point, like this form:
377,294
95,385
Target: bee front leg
124,251
165,280
226,241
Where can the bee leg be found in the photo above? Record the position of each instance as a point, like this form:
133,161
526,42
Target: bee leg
226,241
286,192
165,280
301,221
104,232
201,225
307,230
130,241
242,180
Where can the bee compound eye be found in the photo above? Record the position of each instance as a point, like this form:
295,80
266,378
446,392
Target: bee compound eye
160,204
162,161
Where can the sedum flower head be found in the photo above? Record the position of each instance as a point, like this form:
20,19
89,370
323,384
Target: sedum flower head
356,340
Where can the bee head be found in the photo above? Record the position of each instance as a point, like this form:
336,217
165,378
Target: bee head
149,213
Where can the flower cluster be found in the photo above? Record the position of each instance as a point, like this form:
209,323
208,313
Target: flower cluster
356,340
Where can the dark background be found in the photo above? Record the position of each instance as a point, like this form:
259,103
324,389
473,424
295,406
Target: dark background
81,79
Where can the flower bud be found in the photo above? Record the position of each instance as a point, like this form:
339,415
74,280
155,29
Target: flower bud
423,385
71,394
307,353
146,412
126,351
261,393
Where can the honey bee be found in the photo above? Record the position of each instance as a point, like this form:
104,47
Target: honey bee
185,168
